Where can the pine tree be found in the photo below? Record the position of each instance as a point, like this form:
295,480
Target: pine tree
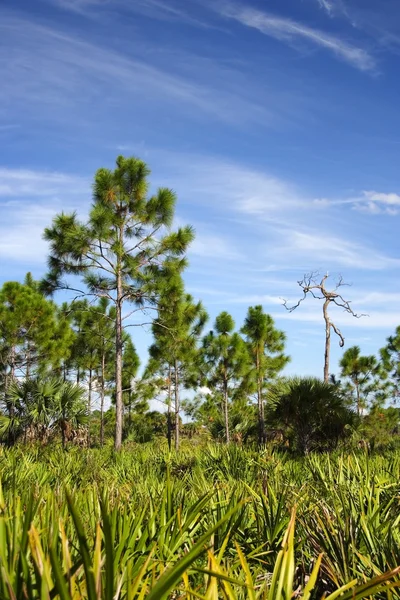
226,362
266,346
175,353
364,376
32,337
123,250
99,336
390,356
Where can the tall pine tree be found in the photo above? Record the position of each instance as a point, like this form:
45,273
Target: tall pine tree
122,251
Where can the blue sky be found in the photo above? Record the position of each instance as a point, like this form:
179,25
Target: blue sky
276,122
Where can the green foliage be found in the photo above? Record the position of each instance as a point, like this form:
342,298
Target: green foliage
38,407
266,346
390,355
313,415
124,251
226,362
381,427
214,522
174,355
33,335
364,377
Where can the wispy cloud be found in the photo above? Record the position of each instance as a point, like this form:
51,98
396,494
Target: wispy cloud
29,201
25,183
333,7
289,31
252,205
60,72
371,202
217,181
373,298
156,9
80,6
326,5
21,231
333,250
215,247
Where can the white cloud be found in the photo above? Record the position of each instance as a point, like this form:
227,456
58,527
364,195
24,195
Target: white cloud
289,31
368,201
378,202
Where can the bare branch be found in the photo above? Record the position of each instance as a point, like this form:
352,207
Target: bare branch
292,308
338,333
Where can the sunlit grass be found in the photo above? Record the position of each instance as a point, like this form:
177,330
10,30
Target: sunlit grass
207,523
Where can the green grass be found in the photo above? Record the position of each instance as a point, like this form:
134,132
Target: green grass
211,522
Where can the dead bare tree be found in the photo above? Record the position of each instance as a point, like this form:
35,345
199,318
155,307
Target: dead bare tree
311,284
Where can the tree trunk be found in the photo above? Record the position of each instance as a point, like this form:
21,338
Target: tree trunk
169,423
63,432
28,362
102,401
327,341
89,404
358,397
177,407
11,412
226,413
130,408
118,366
261,418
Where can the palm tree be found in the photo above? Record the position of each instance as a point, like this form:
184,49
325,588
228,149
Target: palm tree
33,402
313,414
40,406
71,410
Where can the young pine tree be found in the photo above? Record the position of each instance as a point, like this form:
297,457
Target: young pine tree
122,251
266,346
226,362
174,355
390,356
32,337
364,377
98,339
